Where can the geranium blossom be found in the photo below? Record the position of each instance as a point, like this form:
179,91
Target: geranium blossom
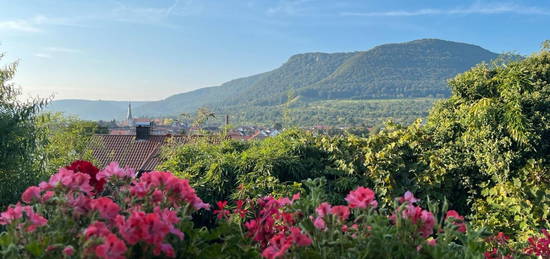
114,170
111,248
106,207
342,212
221,212
323,209
361,198
30,194
457,220
89,169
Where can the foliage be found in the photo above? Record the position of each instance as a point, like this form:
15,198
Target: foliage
485,150
19,139
66,139
493,138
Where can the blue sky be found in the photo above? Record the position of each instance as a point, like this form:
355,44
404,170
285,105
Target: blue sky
148,50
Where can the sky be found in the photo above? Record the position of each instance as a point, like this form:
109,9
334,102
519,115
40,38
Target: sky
151,49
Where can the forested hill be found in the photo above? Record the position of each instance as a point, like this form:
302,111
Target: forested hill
413,69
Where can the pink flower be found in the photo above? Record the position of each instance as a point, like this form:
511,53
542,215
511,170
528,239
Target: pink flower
68,251
408,197
428,223
222,212
431,242
539,246
97,228
296,196
114,170
11,214
47,196
111,248
319,223
298,237
157,196
278,245
36,221
71,180
106,207
239,210
341,211
323,209
80,204
166,249
457,220
361,198
32,193
16,212
87,168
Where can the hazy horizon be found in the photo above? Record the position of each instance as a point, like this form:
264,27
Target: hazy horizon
149,50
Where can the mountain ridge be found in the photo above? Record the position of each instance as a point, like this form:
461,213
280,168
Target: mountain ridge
414,69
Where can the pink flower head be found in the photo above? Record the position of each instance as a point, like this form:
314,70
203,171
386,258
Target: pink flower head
106,207
114,170
222,212
32,193
408,197
361,198
97,228
319,223
67,178
539,246
431,242
428,222
323,209
17,212
278,245
457,220
239,210
36,221
111,248
342,212
87,168
47,196
296,196
298,237
68,251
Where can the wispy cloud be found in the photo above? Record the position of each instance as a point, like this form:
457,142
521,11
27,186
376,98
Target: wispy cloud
43,55
288,7
500,8
154,15
62,50
35,23
18,25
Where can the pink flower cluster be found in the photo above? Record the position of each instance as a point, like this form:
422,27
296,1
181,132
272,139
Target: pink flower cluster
539,246
274,228
17,212
422,219
165,187
142,211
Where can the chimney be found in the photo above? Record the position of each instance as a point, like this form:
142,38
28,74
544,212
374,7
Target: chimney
143,131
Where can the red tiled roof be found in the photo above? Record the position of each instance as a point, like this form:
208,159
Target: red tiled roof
141,155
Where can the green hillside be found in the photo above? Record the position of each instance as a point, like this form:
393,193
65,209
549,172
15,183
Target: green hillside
416,69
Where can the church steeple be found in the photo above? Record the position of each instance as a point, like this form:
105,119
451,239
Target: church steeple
129,117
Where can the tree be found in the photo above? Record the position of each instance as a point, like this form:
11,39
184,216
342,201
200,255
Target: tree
202,116
20,163
66,139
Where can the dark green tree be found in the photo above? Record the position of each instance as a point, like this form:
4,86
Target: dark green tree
20,163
